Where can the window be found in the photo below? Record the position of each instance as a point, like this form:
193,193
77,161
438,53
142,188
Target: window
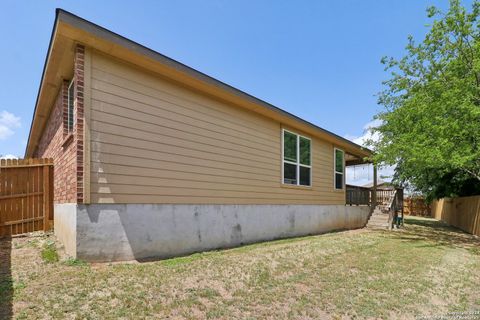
339,169
297,169
70,101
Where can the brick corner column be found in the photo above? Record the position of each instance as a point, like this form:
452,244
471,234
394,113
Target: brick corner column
79,71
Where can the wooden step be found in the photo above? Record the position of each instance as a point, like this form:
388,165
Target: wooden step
378,220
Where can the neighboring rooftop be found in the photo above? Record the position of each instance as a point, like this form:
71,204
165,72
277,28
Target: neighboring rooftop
380,182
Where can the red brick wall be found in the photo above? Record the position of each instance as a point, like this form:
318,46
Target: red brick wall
57,144
66,148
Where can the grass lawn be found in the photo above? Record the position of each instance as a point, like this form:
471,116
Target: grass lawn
425,269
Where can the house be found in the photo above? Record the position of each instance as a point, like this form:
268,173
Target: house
155,159
381,185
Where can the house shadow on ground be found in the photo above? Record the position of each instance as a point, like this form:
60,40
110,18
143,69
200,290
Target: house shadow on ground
6,281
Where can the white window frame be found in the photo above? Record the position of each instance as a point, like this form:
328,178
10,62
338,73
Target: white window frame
70,127
297,164
335,172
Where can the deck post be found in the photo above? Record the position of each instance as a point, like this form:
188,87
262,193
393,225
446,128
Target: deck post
374,190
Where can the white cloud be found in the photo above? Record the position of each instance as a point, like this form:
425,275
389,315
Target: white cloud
8,156
363,174
367,133
8,122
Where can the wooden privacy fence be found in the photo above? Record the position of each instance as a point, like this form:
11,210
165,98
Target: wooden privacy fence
463,213
416,206
26,195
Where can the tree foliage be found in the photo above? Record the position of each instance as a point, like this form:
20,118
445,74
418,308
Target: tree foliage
430,126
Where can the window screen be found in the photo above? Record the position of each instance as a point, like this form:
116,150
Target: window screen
297,169
71,99
339,169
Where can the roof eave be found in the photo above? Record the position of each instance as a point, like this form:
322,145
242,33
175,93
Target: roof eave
118,40
28,152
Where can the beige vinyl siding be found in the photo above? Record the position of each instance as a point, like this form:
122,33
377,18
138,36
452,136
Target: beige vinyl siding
153,141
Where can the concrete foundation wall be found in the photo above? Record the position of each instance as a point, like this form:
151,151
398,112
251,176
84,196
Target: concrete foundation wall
65,226
115,232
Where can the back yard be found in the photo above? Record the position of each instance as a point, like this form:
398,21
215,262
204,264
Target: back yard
426,269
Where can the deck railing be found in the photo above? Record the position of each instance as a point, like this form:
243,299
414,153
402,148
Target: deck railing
358,196
384,196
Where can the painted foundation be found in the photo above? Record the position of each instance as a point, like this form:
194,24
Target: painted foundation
65,226
116,232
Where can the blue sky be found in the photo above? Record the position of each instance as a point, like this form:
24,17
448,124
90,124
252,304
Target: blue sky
317,59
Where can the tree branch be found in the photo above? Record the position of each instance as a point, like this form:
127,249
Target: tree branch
472,173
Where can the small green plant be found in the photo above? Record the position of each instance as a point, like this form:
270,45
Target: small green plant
34,243
49,252
74,262
173,262
18,285
475,250
22,315
18,245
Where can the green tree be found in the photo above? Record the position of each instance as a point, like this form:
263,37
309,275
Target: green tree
430,126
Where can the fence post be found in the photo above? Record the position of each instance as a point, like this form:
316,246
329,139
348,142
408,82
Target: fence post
374,191
51,189
46,196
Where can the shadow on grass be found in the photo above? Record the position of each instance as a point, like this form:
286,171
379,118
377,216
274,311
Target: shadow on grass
240,248
436,234
6,282
428,222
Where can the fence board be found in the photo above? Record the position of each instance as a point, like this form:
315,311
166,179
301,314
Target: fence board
463,213
26,196
416,206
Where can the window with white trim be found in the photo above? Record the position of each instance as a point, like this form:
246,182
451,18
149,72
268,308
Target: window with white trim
70,101
297,158
339,168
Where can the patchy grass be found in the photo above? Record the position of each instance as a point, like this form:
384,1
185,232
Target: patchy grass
49,252
425,269
74,262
